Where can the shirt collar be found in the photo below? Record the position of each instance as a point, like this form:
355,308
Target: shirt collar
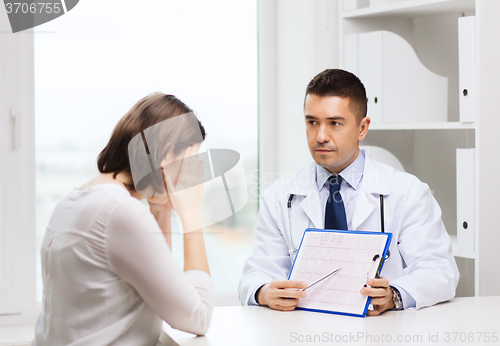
351,174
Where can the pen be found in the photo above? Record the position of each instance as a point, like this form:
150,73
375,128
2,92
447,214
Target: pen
377,273
322,278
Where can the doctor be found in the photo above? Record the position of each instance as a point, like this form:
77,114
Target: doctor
346,189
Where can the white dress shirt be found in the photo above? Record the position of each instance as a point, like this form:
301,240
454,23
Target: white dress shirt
351,176
109,277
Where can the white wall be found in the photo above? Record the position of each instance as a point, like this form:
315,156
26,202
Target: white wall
302,43
488,71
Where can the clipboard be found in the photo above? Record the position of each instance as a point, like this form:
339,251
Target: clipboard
359,254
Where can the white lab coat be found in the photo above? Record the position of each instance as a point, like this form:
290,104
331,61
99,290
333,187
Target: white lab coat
421,260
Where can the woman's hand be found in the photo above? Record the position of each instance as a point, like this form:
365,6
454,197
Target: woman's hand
163,215
159,210
186,195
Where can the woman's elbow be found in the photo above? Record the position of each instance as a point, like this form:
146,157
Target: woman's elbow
197,322
203,328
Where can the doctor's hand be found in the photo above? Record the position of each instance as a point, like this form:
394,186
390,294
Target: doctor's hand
282,294
381,295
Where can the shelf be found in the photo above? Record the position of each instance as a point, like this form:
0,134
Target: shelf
412,8
422,126
458,253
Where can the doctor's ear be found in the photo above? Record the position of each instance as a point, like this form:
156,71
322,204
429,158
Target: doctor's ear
363,126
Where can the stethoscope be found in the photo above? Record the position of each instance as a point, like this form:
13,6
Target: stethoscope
289,206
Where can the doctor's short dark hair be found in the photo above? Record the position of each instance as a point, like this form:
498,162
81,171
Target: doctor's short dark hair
336,82
148,111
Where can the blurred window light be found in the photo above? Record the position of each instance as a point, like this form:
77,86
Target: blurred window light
94,63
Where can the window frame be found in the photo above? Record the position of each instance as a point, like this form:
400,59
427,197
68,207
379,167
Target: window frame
17,177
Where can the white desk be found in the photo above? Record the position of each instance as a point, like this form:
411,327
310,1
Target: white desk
261,326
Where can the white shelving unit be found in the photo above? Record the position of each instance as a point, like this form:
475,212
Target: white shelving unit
413,8
423,126
459,253
428,149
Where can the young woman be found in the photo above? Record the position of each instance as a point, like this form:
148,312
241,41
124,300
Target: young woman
108,273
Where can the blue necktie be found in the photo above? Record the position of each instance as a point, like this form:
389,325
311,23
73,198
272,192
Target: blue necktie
335,212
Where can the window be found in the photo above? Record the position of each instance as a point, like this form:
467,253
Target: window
17,174
94,63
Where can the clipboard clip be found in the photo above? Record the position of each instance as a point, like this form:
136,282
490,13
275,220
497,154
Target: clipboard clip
379,268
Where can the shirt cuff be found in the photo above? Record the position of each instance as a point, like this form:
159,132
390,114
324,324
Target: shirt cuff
251,299
408,301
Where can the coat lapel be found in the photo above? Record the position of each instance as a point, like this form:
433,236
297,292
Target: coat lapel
310,206
305,185
372,185
365,206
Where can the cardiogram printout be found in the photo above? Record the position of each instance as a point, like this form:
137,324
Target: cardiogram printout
357,253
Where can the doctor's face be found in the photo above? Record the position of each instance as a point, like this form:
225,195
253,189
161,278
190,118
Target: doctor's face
333,133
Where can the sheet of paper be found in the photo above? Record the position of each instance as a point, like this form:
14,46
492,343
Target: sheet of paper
323,251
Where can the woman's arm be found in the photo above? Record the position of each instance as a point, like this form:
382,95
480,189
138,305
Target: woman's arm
184,300
194,250
138,253
186,197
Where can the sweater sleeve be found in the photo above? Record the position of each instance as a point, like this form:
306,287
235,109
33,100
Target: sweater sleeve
138,252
